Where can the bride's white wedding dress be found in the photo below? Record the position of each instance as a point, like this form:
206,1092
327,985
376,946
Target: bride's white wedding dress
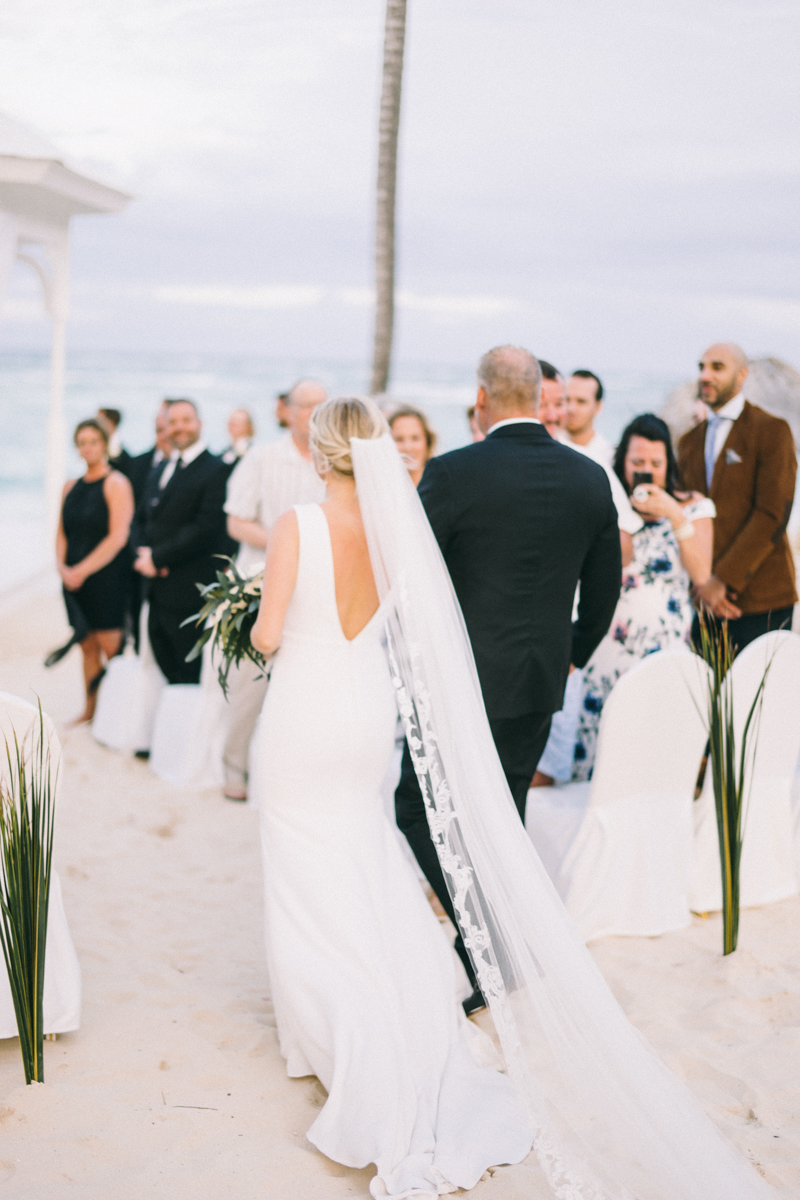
362,974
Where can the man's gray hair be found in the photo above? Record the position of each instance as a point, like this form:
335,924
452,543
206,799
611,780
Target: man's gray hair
511,378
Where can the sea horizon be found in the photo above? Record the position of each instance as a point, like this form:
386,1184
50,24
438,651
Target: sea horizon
136,382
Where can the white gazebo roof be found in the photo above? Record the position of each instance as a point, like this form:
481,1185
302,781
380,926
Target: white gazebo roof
39,195
39,188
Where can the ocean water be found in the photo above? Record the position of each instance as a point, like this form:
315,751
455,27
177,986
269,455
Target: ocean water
136,383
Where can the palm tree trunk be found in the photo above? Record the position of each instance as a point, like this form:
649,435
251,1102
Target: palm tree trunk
393,45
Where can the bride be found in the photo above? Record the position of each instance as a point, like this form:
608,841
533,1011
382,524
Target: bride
358,600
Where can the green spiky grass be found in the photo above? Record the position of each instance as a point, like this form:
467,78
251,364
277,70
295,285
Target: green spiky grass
731,772
27,810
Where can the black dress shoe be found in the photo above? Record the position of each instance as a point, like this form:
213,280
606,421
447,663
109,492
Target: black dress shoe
143,754
474,1003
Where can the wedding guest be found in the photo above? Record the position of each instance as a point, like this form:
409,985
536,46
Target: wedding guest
142,464
118,456
520,521
414,438
183,528
144,472
96,512
241,431
556,763
744,459
552,404
584,402
671,553
476,433
268,480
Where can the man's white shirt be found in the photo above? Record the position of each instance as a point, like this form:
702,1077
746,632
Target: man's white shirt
628,519
729,413
514,421
268,480
599,449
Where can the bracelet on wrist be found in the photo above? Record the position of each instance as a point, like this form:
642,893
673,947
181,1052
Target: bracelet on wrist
684,531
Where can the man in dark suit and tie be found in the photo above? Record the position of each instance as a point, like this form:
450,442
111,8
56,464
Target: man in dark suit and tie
521,519
182,527
155,459
745,460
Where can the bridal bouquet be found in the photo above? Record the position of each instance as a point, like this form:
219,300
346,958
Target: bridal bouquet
228,614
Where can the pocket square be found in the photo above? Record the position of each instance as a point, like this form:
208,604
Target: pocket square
731,457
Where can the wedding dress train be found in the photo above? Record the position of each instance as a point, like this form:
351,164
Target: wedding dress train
362,974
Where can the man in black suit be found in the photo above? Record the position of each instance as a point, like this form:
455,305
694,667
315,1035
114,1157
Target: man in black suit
521,520
141,466
183,527
144,472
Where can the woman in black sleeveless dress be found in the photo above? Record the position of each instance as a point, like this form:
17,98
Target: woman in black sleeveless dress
96,514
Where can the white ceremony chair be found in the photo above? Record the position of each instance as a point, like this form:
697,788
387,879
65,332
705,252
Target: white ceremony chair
769,870
177,719
619,849
128,698
62,973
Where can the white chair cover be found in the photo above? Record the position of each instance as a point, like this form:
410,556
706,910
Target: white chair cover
769,870
62,973
619,849
174,732
128,697
205,752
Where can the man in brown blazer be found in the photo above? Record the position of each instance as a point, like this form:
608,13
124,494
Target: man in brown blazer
744,459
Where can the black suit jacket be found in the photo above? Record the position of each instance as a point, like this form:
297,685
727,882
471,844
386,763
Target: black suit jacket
185,528
137,470
520,519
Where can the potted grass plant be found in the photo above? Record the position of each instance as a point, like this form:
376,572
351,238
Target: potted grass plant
27,810
731,765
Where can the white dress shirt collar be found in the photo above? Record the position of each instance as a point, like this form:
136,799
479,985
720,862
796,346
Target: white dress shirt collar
720,431
188,455
513,421
730,411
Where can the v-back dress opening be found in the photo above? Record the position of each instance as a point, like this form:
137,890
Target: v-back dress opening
362,974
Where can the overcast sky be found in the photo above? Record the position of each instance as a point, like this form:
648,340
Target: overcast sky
613,183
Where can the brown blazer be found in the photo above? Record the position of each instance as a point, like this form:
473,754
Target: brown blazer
753,489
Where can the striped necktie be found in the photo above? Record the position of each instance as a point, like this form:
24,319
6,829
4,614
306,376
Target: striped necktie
711,440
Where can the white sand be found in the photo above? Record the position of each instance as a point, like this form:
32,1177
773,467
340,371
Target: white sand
174,1086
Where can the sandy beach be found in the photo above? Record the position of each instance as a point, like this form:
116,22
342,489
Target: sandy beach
174,1085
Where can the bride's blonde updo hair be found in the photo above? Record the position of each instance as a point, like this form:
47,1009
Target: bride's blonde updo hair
334,423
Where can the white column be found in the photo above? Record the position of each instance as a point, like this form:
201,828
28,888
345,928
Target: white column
58,303
8,251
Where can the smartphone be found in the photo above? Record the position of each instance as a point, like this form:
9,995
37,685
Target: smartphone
641,477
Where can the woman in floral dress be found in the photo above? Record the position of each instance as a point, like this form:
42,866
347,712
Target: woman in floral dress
671,553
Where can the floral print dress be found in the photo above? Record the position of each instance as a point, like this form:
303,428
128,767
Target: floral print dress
654,612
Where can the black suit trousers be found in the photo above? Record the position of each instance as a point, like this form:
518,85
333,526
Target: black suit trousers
520,743
171,643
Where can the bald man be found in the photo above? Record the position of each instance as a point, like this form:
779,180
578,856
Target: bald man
520,520
744,459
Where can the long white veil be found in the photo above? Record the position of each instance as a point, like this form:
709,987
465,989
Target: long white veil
613,1122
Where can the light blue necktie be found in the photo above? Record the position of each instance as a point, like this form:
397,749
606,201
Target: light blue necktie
711,438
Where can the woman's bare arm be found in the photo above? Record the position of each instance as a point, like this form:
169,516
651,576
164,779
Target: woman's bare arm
280,577
61,537
626,546
696,551
246,531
